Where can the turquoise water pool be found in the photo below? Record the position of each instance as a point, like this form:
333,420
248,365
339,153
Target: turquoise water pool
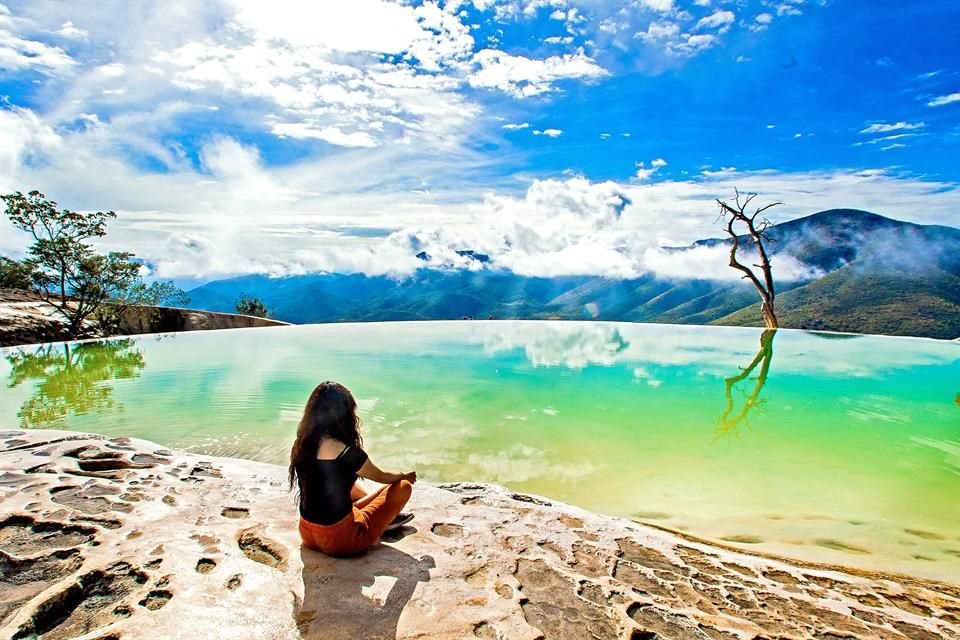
818,446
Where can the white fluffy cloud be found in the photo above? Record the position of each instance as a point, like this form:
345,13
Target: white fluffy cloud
657,31
788,9
333,135
693,44
68,30
344,104
24,136
672,40
706,263
887,139
355,74
358,25
568,226
523,77
645,173
240,174
895,131
358,74
18,53
719,20
884,127
939,101
660,6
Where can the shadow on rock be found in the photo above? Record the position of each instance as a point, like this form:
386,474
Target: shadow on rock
359,597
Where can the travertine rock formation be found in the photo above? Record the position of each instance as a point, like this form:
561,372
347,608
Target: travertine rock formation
119,538
26,319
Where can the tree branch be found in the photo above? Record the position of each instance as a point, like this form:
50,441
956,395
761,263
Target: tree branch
757,232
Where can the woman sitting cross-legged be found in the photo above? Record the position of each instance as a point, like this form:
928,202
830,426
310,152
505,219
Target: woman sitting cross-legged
336,516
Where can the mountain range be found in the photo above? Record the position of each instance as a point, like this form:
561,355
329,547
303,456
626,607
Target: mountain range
870,274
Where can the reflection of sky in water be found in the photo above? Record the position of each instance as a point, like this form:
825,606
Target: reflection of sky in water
576,345
619,418
873,408
951,448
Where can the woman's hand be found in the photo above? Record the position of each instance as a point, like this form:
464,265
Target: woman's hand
409,476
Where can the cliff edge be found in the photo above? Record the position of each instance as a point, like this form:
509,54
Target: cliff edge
26,319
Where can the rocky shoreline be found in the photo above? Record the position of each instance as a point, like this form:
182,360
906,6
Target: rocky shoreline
118,538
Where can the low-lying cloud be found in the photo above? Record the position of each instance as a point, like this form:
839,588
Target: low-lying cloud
563,228
237,216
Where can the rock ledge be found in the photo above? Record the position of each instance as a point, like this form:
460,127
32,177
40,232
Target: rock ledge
26,319
118,538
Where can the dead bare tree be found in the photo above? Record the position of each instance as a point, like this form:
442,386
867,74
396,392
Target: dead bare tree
737,213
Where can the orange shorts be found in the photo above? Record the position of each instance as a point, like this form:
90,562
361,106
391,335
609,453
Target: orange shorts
357,531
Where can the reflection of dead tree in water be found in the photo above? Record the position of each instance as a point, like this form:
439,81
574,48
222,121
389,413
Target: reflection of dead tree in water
729,421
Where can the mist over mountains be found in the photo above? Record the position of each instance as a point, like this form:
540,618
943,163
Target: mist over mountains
861,272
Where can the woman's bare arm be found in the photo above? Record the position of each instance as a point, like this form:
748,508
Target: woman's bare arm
372,472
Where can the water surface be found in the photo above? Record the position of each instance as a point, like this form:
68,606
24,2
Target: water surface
818,446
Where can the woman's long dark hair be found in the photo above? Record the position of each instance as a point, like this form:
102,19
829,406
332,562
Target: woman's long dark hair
331,412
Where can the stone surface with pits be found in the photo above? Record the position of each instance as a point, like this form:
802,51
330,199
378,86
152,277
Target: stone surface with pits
119,538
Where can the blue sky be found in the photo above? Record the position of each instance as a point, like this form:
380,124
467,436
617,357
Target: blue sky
556,136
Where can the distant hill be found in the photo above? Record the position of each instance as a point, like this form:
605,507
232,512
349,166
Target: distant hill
879,276
884,276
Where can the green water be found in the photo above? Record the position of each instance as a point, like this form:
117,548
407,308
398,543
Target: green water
835,448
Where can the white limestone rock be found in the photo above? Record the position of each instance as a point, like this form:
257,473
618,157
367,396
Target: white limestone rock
117,538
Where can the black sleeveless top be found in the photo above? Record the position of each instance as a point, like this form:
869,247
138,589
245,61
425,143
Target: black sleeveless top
326,499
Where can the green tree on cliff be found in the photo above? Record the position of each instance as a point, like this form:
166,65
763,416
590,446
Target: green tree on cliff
15,274
251,306
68,273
